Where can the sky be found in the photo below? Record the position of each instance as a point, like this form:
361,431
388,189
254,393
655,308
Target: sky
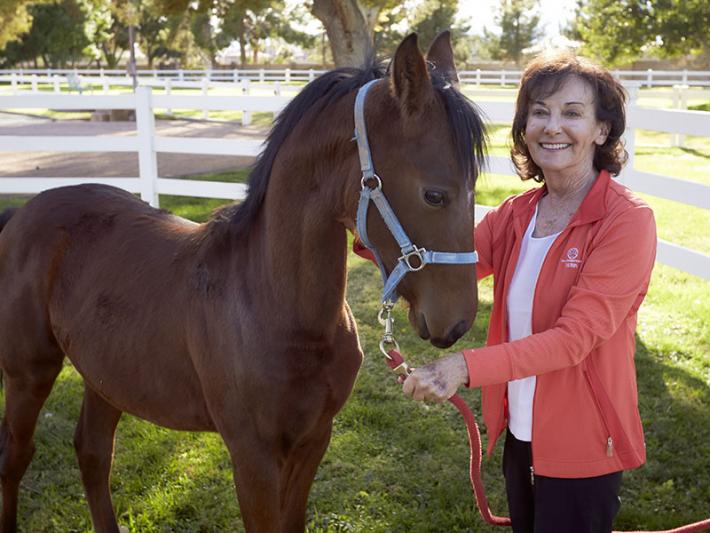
481,13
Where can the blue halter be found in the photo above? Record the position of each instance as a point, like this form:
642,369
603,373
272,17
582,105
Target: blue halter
413,258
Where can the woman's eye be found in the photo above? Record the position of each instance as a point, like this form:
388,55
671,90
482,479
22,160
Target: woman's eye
538,112
435,198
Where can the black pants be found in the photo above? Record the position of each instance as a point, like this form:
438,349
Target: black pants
556,505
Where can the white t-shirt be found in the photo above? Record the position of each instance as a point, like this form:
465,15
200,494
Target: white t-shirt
520,300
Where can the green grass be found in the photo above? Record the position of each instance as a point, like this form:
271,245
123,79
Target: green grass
395,465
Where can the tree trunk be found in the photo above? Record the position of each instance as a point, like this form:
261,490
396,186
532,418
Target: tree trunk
242,49
351,36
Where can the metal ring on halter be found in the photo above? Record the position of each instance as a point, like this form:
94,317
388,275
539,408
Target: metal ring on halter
365,179
417,252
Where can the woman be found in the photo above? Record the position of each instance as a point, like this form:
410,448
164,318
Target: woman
571,263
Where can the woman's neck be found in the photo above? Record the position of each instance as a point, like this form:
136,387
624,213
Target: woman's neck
563,187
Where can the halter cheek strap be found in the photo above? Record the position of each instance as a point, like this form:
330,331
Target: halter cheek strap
413,258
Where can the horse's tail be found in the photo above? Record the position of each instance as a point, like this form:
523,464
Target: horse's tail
6,215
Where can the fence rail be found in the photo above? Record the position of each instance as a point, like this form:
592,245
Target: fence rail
649,77
148,144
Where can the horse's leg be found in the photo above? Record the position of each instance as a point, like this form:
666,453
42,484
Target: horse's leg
25,394
93,441
297,477
256,478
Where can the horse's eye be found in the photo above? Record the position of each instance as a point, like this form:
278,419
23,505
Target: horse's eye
435,198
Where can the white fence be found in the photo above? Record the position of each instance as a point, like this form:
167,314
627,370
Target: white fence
648,78
147,144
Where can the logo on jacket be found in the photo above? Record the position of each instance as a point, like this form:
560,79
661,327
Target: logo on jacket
571,260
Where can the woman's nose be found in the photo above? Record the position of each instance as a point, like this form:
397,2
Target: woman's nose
552,126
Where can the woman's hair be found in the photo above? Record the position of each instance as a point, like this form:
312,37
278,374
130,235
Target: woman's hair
544,76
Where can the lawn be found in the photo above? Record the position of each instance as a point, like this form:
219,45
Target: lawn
399,466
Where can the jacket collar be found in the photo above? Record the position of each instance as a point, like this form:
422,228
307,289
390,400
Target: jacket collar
592,208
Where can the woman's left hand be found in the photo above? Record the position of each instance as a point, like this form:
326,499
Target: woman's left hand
437,381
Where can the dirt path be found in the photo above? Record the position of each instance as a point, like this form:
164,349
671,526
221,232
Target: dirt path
116,164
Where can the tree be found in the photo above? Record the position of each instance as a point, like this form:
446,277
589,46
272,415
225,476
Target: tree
518,21
350,25
15,20
107,35
56,34
618,31
434,16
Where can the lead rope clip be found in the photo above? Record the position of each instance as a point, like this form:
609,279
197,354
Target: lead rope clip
386,319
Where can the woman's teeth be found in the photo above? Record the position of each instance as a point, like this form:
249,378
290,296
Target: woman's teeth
548,146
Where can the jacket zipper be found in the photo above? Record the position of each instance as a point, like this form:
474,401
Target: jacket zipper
555,243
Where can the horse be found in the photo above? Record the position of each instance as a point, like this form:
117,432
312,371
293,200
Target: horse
239,325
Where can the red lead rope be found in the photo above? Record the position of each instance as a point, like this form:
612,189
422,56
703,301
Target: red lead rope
396,362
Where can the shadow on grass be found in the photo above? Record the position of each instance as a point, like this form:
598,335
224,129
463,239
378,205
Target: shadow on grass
673,488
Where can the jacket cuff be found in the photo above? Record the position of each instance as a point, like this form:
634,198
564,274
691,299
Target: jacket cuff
487,366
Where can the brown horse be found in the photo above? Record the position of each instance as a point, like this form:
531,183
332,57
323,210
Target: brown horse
239,325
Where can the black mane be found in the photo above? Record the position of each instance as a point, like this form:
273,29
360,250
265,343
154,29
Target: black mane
464,116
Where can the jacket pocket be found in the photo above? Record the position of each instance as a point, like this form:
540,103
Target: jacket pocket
602,415
618,442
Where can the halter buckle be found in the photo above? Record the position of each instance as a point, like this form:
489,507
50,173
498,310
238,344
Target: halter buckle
364,182
419,254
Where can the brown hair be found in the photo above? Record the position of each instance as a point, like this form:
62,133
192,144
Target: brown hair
543,76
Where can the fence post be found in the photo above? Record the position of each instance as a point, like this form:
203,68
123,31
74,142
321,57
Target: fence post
34,83
181,75
649,78
478,77
147,157
246,115
311,75
235,75
287,76
632,88
55,78
502,78
13,82
169,91
104,82
205,90
685,77
682,104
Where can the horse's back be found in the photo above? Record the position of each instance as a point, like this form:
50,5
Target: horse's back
102,275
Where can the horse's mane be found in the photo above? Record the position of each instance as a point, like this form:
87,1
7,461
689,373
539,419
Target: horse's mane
464,116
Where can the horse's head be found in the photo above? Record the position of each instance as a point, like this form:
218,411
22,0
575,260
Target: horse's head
427,142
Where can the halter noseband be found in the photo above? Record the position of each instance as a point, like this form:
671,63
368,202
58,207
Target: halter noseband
413,258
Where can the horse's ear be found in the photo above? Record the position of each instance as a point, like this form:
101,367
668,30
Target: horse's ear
441,55
410,79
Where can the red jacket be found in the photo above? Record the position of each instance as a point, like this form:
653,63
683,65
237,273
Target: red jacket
595,276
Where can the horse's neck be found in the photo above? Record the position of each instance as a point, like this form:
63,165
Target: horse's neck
303,241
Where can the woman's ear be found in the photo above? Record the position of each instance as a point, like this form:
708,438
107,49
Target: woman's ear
604,129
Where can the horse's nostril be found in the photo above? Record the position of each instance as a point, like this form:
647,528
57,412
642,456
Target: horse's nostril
458,331
455,334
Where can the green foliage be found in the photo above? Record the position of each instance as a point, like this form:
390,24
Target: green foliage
251,22
427,19
107,35
518,21
56,35
14,19
619,31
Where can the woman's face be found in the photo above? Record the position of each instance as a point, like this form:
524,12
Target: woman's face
562,131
